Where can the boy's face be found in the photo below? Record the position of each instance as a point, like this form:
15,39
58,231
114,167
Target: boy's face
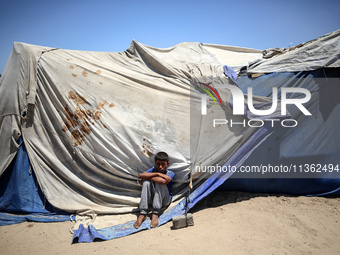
161,166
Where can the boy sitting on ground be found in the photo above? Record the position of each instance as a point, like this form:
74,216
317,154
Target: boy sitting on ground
156,189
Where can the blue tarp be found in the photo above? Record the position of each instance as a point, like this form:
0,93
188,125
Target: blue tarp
315,140
296,187
20,197
10,218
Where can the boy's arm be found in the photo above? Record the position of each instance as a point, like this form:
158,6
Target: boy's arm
155,177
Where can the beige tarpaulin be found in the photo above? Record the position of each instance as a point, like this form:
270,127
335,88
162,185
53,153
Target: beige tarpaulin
91,121
321,52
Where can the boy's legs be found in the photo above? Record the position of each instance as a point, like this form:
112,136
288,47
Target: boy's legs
161,199
153,194
145,200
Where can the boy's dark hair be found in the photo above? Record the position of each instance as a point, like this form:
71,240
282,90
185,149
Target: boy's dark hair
163,156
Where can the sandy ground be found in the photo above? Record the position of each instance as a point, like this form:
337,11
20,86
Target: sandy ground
225,223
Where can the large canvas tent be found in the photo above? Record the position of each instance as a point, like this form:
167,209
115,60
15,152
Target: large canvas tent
89,122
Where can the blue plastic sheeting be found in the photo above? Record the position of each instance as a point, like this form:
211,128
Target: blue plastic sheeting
86,235
315,140
20,196
230,73
297,187
9,219
89,234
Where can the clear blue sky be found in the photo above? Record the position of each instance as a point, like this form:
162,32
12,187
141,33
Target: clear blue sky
112,25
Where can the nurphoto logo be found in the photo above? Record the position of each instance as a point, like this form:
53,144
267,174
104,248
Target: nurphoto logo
239,105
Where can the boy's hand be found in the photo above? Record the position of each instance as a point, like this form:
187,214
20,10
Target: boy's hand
167,178
155,177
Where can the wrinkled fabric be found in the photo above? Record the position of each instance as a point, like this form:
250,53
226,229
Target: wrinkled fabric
92,121
313,55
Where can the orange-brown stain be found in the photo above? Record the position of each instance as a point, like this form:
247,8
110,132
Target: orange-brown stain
85,128
98,72
71,121
84,73
71,67
79,122
78,99
97,115
147,149
101,104
74,75
77,137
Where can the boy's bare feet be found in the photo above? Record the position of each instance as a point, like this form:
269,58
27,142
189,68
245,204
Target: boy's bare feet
154,221
139,221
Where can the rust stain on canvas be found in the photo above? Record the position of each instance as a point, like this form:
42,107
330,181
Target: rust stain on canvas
79,121
147,149
84,73
78,99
